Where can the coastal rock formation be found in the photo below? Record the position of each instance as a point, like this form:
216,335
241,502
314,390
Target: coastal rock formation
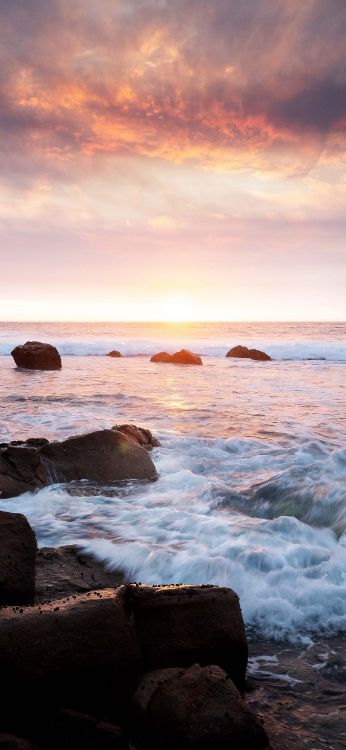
17,559
197,708
114,353
34,355
204,623
242,352
63,571
139,435
183,357
102,456
10,742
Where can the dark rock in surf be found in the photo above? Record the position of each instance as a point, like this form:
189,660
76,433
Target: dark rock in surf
114,354
103,456
161,357
204,624
62,571
139,435
35,355
242,352
183,357
197,708
18,550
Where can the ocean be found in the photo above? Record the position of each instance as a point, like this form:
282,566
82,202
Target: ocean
252,465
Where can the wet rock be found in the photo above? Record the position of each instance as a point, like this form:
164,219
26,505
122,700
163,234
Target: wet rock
83,649
197,708
62,571
161,357
242,352
139,435
182,625
35,355
114,353
183,357
10,487
101,456
17,559
10,742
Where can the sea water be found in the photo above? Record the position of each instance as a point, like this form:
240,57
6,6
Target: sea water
252,465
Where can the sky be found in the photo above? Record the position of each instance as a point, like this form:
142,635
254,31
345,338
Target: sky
172,159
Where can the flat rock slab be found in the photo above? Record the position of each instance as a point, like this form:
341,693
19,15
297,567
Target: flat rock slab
62,571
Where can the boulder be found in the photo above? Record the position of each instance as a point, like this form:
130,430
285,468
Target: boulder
35,355
62,571
182,625
114,353
82,650
197,708
161,357
242,352
185,357
101,456
18,550
139,435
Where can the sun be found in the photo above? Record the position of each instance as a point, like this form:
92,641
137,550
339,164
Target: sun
175,308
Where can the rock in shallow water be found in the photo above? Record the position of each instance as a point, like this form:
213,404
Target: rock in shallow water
114,353
140,435
242,352
35,355
183,357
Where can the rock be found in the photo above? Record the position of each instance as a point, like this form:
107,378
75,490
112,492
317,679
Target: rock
139,435
35,355
63,571
101,456
11,487
82,650
114,353
182,625
161,357
17,559
74,730
183,357
242,352
10,742
197,708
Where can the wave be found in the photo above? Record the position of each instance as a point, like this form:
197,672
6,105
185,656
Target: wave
332,351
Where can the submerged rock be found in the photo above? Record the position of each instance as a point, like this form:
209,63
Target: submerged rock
103,456
114,353
204,624
242,352
18,550
140,435
183,357
35,355
197,708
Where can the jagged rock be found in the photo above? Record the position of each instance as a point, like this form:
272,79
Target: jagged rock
182,625
140,435
114,353
35,355
17,559
197,708
62,571
242,352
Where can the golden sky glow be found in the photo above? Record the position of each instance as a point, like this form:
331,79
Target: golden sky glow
172,160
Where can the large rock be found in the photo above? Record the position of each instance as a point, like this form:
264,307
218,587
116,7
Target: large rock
182,625
62,571
183,357
17,559
114,353
242,352
101,456
35,355
139,435
197,708
78,651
